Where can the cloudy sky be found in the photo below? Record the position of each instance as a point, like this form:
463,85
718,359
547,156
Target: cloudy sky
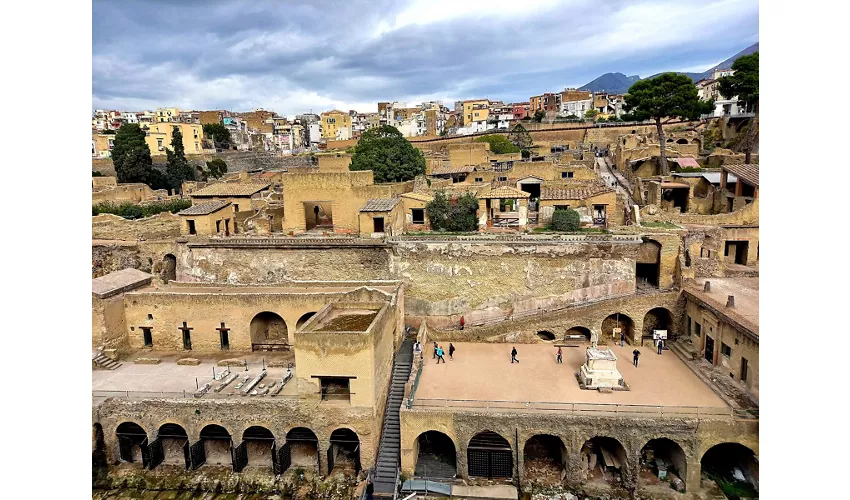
297,56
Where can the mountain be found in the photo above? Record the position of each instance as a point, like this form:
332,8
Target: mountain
619,83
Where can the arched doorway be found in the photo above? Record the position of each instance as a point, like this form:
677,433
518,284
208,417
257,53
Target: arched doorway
489,455
303,319
174,442
214,447
621,321
658,318
733,467
648,265
260,448
132,443
169,268
577,332
662,460
344,452
268,328
546,335
682,141
604,459
546,455
302,445
436,456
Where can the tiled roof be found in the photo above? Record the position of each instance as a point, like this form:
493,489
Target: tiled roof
503,192
686,162
558,193
379,205
231,189
447,170
418,196
205,208
747,172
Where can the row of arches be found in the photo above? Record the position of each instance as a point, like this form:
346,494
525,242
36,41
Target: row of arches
270,328
258,447
602,459
659,318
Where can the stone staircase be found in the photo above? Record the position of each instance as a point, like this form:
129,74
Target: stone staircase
101,362
389,450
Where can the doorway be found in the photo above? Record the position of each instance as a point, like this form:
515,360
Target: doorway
146,333
227,227
736,252
225,341
191,227
709,349
378,223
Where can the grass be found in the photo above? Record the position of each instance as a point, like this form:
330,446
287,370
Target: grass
660,225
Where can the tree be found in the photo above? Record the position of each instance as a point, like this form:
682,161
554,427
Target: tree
591,113
177,167
744,83
667,95
539,115
499,144
462,216
215,169
219,134
566,220
391,157
520,137
130,154
438,211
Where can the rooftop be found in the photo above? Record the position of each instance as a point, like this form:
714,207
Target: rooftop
747,172
380,205
449,169
418,196
658,380
205,208
745,290
118,282
557,193
503,192
231,189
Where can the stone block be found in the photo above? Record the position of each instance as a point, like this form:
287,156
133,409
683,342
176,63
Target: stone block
189,361
147,361
231,362
111,354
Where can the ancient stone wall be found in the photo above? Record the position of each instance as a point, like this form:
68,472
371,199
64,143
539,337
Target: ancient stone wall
155,227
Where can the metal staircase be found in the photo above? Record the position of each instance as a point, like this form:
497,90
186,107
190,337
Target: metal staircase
389,450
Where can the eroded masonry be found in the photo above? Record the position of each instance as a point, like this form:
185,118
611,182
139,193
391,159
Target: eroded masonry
280,334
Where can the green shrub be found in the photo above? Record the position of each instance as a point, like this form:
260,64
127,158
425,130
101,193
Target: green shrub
499,144
132,211
95,173
566,220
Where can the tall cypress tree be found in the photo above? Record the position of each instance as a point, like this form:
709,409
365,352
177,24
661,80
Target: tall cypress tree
177,167
130,154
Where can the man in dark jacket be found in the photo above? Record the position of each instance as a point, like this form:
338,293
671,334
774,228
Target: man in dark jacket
636,354
451,351
513,355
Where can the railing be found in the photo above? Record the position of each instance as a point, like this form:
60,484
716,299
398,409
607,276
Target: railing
529,238
171,395
270,347
583,408
505,221
415,385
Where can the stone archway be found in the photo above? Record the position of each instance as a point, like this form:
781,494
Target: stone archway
303,447
436,456
682,141
259,445
576,331
733,467
303,319
621,321
546,335
544,459
217,445
344,451
175,444
269,328
604,459
489,455
657,318
132,443
648,265
99,447
663,463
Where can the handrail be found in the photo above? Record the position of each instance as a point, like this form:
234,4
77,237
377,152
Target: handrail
170,395
580,408
415,385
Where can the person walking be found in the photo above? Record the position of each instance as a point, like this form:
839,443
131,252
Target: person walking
462,322
636,355
659,346
513,355
440,355
451,351
558,358
622,338
435,351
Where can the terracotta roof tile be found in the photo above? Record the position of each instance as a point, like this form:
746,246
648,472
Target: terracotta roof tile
231,189
205,208
557,193
380,205
503,192
747,172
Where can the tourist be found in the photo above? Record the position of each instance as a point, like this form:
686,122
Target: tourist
622,339
659,345
513,355
558,358
636,354
451,351
435,351
462,322
370,489
440,355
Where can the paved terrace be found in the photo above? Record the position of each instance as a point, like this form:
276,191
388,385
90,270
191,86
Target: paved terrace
745,290
483,372
171,380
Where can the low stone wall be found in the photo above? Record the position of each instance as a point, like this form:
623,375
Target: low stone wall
113,227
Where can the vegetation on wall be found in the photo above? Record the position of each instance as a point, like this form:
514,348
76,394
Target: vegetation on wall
133,211
219,134
457,217
95,173
669,95
566,220
390,156
215,169
499,144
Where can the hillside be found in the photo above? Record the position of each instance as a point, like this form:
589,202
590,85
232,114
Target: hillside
619,83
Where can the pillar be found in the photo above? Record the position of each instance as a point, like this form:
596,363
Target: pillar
523,212
692,481
482,212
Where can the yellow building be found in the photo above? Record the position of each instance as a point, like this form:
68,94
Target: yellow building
247,195
213,217
163,115
101,145
336,125
476,111
159,137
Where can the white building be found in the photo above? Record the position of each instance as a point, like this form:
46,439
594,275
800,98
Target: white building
577,108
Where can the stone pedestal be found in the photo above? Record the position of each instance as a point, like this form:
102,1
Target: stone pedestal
600,370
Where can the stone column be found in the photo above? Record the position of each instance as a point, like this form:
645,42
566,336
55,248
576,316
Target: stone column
482,213
694,473
523,212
